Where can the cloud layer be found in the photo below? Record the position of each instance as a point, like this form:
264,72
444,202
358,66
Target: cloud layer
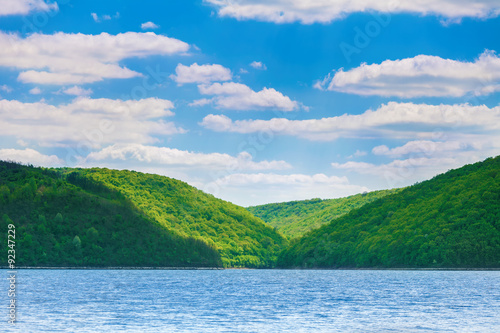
324,11
404,172
30,156
78,58
389,120
422,75
261,188
174,157
425,147
88,122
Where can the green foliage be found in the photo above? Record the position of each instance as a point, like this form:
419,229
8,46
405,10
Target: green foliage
452,220
61,224
241,239
295,218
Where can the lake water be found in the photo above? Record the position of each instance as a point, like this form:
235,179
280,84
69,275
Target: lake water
254,301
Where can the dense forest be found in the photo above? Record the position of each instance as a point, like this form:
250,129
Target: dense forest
241,239
60,224
98,217
452,220
295,218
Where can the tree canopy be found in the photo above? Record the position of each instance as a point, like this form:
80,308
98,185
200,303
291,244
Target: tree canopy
452,220
61,224
295,218
241,239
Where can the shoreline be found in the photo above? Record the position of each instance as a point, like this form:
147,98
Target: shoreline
114,268
247,268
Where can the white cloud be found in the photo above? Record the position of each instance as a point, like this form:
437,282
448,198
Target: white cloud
77,58
237,96
404,172
400,169
174,157
22,143
87,122
30,156
324,11
425,147
200,74
105,17
149,25
35,91
23,7
276,179
6,88
258,65
201,102
261,188
77,91
422,75
389,120
358,153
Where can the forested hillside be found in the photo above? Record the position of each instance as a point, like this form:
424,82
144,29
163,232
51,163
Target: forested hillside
452,220
295,218
59,224
241,239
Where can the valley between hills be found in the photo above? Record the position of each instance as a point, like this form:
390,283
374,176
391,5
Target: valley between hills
70,217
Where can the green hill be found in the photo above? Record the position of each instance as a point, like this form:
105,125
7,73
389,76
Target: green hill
241,239
452,220
295,218
59,224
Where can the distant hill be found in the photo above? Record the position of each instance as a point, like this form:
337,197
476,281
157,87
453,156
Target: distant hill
295,218
452,220
241,239
59,224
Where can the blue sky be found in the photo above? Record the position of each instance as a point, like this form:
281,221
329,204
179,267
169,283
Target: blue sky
253,101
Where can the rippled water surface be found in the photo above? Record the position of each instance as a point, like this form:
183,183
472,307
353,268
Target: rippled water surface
254,301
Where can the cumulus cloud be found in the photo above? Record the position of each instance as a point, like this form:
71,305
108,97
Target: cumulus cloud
6,88
105,17
358,153
64,58
174,157
35,91
425,147
308,12
149,25
87,122
389,120
200,74
23,7
30,156
237,96
422,75
258,65
77,91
